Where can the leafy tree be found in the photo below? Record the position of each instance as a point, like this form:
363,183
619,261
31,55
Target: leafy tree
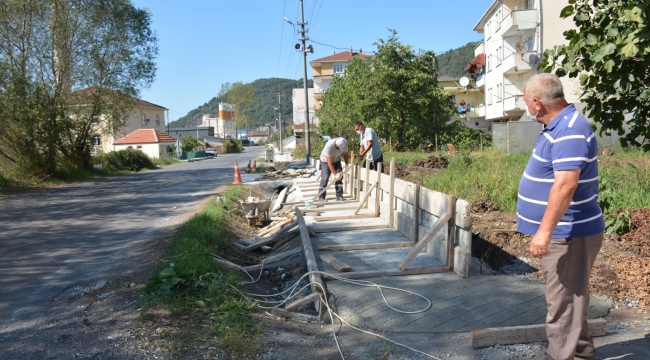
188,143
610,53
241,96
63,63
397,93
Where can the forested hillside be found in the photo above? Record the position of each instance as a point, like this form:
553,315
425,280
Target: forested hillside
453,62
265,97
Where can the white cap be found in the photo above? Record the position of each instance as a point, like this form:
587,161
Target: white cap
342,144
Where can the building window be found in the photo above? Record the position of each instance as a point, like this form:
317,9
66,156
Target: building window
96,140
339,68
95,120
489,96
138,147
531,4
499,97
158,120
530,43
498,56
489,63
487,30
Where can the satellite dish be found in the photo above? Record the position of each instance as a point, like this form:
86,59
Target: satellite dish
464,81
520,47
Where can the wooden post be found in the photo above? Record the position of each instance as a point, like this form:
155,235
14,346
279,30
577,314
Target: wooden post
365,198
416,217
367,184
378,199
312,265
358,168
391,193
451,237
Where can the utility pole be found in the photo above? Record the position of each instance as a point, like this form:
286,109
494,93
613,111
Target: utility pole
303,39
280,119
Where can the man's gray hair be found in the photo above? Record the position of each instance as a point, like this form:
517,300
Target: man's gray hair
547,87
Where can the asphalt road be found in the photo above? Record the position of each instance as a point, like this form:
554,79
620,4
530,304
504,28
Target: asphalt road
54,239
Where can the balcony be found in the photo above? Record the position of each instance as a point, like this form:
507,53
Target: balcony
318,94
516,63
480,81
518,21
514,106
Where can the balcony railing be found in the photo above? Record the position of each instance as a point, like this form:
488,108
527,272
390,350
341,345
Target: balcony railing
517,21
516,63
514,105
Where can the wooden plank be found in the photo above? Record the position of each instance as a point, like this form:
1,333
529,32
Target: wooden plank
525,334
303,301
321,209
378,196
349,247
421,244
366,184
358,169
228,264
274,227
451,234
391,200
288,235
277,204
254,269
416,214
293,315
365,197
337,264
274,258
351,228
341,217
377,273
312,265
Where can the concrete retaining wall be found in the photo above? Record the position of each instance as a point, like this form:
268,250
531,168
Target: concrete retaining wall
429,207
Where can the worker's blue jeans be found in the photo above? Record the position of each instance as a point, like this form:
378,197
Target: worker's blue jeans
325,177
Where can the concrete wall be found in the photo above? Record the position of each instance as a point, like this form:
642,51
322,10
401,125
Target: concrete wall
431,206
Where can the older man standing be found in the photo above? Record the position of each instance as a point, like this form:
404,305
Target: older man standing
558,205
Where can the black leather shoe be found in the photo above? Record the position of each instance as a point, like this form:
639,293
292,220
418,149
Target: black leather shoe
340,198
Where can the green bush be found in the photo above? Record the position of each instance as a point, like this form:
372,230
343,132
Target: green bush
127,159
231,146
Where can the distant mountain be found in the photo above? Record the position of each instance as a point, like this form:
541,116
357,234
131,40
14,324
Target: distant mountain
265,95
453,62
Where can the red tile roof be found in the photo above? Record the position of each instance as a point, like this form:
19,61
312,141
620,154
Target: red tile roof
299,127
257,133
475,64
145,136
343,56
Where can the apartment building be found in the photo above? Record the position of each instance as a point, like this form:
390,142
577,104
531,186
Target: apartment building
516,33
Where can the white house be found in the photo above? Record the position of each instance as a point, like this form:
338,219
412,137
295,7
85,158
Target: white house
152,142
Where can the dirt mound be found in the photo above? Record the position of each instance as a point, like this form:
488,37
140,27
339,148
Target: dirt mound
418,166
622,268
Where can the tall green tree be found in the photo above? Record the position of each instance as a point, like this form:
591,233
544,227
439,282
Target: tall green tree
241,96
396,93
63,63
610,53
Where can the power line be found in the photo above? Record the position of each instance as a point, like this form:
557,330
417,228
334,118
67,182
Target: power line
277,73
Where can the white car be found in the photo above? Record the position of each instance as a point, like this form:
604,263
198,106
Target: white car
211,152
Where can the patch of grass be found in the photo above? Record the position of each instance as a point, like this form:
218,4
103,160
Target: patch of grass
192,284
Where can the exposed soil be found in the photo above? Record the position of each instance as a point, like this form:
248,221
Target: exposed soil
621,271
418,168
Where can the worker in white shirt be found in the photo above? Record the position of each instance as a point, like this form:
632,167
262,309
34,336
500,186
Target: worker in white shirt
330,159
369,146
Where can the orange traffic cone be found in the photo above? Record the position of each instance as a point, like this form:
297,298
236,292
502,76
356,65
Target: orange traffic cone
255,165
237,175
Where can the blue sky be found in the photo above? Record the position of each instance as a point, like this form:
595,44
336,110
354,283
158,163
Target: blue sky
205,43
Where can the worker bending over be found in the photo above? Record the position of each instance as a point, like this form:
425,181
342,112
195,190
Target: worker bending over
330,159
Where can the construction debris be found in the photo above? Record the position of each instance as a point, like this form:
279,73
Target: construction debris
287,174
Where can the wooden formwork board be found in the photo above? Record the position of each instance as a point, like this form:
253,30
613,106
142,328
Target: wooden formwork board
310,256
350,228
377,273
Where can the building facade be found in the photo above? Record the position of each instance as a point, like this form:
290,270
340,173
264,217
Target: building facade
224,125
516,33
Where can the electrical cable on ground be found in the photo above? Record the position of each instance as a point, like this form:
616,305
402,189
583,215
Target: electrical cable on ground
331,312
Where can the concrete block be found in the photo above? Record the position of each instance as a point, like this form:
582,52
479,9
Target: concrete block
433,202
464,238
462,260
463,210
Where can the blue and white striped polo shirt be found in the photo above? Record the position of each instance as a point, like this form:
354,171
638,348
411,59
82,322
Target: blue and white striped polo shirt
567,143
